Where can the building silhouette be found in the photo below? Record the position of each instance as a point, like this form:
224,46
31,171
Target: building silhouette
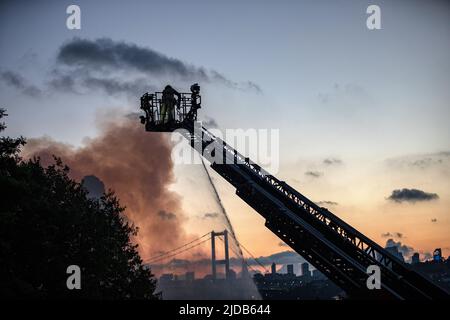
305,269
273,268
290,269
394,251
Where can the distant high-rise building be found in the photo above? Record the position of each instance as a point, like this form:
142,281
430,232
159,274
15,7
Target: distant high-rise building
317,275
437,255
166,277
415,258
190,276
94,186
394,251
290,269
273,268
244,271
305,269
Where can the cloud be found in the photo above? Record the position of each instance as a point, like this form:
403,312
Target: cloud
427,255
62,82
107,54
284,257
119,67
314,174
114,86
84,80
243,86
348,93
251,86
405,250
325,202
411,195
134,116
210,215
392,235
17,81
421,161
210,123
332,161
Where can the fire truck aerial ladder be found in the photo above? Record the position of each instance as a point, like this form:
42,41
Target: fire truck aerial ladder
331,245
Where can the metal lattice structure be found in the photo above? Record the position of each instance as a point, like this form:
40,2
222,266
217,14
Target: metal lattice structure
331,245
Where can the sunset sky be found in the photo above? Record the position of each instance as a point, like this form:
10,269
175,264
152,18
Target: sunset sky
360,112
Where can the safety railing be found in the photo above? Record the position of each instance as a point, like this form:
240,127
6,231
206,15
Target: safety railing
159,114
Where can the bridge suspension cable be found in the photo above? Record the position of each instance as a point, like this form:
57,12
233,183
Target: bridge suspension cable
176,249
251,255
177,253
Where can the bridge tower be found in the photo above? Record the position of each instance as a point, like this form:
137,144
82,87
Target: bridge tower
226,260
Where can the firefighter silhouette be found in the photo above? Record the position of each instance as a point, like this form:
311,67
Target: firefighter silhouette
170,99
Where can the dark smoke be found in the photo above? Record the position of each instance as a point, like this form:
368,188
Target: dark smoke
17,81
332,161
118,67
106,54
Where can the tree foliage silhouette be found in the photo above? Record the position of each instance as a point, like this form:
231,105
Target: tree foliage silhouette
47,223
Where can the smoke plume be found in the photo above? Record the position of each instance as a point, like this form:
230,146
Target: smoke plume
137,166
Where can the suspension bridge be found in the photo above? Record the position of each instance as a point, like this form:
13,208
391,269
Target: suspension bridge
211,237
